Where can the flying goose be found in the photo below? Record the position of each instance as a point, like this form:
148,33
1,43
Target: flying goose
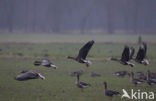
45,62
127,55
83,52
110,93
81,85
134,80
141,55
26,75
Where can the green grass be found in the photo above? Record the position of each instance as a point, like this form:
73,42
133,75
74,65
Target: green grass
58,85
73,38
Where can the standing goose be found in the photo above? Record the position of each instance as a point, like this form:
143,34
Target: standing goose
149,80
26,75
127,54
141,55
45,62
83,52
81,85
134,80
109,92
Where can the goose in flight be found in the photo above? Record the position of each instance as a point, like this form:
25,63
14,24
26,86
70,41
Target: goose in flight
141,55
83,52
110,93
127,55
45,62
27,75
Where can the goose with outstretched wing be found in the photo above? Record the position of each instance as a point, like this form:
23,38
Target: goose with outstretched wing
126,57
81,58
141,55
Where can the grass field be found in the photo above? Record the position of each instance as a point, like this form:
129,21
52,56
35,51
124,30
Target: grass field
18,52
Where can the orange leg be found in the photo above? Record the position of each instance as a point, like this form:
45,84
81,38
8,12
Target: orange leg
87,65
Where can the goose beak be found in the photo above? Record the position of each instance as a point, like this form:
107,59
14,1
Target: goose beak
53,66
41,76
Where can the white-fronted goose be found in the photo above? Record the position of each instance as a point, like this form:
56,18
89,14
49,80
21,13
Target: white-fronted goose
45,62
127,55
26,75
141,55
134,80
92,74
110,93
81,85
81,58
76,73
121,73
149,79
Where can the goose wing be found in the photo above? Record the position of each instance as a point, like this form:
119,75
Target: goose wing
84,84
46,62
26,76
142,52
132,51
125,54
111,93
85,49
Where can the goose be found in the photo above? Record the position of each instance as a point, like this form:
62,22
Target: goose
110,93
152,75
127,54
81,85
149,80
76,73
141,75
26,75
45,62
134,80
83,52
141,55
92,74
121,73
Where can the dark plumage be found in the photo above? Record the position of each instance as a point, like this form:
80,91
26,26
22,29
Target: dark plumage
121,73
134,80
131,52
76,73
26,75
141,75
109,92
44,62
126,56
150,81
81,58
81,85
141,55
92,74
